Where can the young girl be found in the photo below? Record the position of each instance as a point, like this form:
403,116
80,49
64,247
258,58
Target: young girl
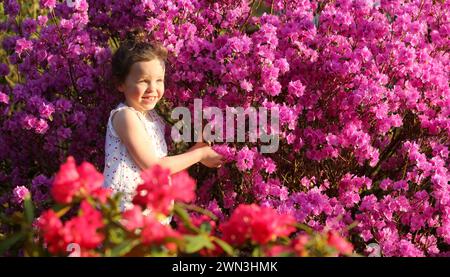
135,133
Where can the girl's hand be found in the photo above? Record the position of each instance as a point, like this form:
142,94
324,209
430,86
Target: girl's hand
211,158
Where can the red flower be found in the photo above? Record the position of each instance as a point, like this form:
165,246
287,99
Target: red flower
268,225
277,250
53,232
183,187
72,181
66,183
89,176
83,229
101,194
154,232
159,191
299,244
133,218
261,225
238,228
340,243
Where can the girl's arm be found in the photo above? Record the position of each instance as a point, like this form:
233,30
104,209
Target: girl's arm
132,133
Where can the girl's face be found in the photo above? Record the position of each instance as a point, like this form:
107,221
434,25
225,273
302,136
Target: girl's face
144,85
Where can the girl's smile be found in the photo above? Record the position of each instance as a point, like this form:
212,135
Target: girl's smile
144,85
149,99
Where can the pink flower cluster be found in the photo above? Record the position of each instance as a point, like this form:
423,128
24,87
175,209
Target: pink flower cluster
257,224
152,231
84,230
19,194
301,243
160,189
78,181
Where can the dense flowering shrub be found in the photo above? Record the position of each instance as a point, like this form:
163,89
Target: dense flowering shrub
97,227
362,88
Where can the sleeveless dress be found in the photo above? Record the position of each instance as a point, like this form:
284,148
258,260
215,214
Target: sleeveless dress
121,172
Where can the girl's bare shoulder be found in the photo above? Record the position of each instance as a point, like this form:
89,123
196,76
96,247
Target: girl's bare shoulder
126,120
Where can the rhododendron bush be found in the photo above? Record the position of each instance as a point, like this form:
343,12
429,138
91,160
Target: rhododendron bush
86,221
363,94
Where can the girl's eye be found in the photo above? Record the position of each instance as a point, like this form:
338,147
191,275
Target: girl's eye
160,80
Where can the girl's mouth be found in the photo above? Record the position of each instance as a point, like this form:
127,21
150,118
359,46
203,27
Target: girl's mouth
149,98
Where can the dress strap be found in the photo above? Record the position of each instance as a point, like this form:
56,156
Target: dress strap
120,107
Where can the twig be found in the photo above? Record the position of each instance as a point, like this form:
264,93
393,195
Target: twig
69,64
250,13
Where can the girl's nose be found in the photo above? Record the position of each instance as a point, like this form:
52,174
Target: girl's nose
151,87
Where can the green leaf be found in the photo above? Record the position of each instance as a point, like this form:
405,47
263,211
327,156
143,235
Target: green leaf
198,210
10,241
286,254
116,235
196,243
304,227
205,228
184,216
353,225
123,248
62,211
29,209
257,252
225,246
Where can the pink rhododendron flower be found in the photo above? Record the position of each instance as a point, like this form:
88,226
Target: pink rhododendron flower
133,218
19,194
159,189
82,230
72,180
23,45
48,3
154,232
261,225
53,231
4,98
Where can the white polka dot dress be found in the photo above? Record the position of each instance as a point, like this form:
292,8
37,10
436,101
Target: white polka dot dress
121,172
